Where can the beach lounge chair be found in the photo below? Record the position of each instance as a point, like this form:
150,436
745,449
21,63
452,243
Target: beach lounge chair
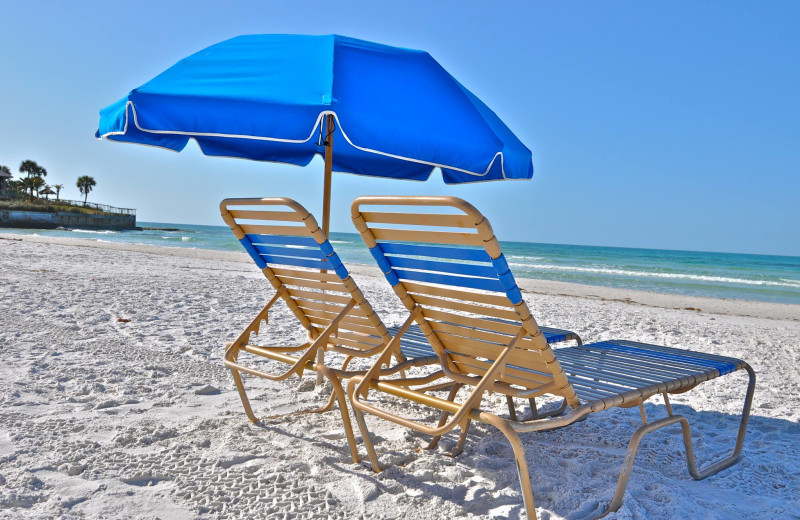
307,275
448,270
286,243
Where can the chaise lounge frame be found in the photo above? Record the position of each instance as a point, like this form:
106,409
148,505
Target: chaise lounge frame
297,259
589,378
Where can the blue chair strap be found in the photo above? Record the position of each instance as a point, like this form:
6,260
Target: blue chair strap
486,284
454,253
315,253
443,267
282,240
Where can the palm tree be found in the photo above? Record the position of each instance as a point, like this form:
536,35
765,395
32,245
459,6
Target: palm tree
37,183
33,170
58,188
16,187
26,184
29,167
85,184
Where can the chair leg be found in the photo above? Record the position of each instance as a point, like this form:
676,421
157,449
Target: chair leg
338,391
462,439
534,409
737,450
332,397
512,411
362,425
237,378
443,419
553,413
630,455
519,456
321,409
716,467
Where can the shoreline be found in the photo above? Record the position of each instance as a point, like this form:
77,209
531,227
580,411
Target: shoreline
699,304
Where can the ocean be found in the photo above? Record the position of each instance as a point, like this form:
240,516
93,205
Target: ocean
718,275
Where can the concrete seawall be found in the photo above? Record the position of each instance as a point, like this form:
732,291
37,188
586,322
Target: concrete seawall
46,220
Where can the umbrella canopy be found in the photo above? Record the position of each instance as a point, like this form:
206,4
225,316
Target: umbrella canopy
395,112
285,98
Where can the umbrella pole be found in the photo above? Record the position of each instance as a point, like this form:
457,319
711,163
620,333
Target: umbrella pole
326,194
326,204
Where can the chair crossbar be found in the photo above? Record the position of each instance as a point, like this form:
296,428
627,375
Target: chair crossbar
481,323
325,306
312,284
315,274
415,339
261,229
266,215
432,302
441,237
527,374
418,219
480,298
464,331
328,296
359,337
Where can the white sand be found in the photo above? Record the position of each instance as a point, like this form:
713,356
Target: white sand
104,419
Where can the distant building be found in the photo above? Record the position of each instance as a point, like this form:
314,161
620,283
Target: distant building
3,178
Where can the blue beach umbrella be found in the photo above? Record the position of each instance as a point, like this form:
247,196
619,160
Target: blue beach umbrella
392,112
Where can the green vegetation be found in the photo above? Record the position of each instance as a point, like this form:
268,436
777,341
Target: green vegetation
58,188
31,193
50,207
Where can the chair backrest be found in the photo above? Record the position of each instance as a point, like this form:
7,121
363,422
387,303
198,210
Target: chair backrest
285,242
442,259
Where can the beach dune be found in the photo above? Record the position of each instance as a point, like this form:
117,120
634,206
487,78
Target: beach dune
114,403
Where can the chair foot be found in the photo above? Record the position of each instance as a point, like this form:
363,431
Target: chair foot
362,426
729,461
338,392
519,457
237,378
691,464
327,407
462,439
630,455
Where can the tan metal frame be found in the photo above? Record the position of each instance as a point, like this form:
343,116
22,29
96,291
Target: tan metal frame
334,312
492,375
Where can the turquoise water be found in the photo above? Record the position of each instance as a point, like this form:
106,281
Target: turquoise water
718,275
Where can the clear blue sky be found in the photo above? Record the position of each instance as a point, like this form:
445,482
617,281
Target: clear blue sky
652,124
